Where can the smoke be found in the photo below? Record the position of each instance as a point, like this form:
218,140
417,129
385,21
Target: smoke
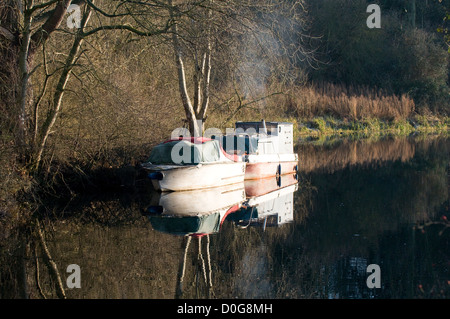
273,51
255,68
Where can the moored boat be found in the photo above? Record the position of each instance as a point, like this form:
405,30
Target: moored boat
192,163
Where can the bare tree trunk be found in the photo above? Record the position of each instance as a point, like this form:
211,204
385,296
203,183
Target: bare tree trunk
23,276
18,44
60,89
182,268
10,81
206,77
53,268
195,112
40,97
188,108
198,77
24,76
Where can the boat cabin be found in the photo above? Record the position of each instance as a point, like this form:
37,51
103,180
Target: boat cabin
260,138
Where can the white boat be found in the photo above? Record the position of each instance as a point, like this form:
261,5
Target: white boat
266,147
192,163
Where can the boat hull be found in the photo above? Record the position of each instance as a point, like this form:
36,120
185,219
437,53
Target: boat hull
262,166
191,177
194,213
259,187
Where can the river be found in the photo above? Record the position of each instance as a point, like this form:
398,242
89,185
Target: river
382,202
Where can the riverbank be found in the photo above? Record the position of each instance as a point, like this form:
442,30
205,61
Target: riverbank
69,183
70,177
324,126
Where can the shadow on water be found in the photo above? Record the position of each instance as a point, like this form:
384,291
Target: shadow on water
356,202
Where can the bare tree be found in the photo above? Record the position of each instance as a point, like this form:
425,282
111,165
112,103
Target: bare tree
60,88
222,37
18,45
198,42
25,27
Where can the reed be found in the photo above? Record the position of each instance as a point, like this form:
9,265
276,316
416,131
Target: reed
348,102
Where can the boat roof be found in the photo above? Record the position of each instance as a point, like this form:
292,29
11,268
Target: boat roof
260,122
208,150
194,139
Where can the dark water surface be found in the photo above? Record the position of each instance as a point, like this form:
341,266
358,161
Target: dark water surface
356,203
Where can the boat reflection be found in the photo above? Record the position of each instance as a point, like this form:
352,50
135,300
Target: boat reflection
196,212
270,202
196,215
265,202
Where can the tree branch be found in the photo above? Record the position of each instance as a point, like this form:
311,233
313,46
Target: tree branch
102,12
50,25
7,34
241,106
41,6
128,28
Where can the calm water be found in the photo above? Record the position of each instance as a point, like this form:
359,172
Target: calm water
356,203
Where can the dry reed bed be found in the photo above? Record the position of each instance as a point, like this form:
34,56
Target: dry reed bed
354,103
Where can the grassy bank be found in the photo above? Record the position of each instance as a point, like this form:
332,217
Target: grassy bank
327,125
328,109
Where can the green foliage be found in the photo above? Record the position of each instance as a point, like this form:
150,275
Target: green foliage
444,29
319,123
405,56
424,69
